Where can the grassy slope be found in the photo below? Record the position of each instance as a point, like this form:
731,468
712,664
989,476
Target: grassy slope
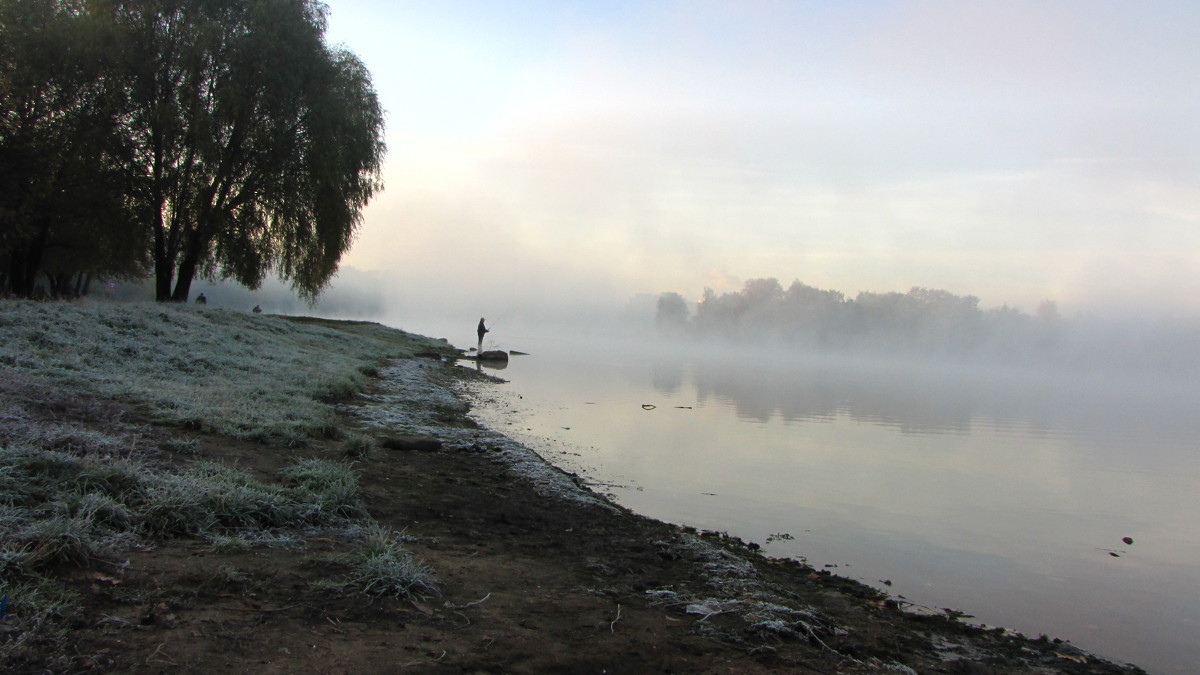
245,375
78,484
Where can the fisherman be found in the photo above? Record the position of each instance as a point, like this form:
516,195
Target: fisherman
481,331
201,300
257,309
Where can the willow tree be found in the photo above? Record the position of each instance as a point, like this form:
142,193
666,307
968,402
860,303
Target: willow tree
62,206
256,145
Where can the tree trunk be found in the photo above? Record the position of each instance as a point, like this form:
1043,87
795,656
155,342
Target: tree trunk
60,285
198,241
186,271
16,272
162,260
183,283
27,260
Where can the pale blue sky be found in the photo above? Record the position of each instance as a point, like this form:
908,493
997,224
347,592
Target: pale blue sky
568,152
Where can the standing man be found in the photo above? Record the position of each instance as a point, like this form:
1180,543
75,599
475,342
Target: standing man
481,331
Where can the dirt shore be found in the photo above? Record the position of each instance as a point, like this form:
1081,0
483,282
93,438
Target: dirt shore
537,574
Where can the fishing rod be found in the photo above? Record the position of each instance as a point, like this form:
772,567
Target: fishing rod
490,328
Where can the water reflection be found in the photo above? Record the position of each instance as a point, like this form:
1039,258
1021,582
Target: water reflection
480,364
918,399
666,378
993,491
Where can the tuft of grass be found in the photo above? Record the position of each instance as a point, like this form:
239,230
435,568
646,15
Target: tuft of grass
222,543
384,567
330,489
329,585
59,539
105,511
358,446
338,389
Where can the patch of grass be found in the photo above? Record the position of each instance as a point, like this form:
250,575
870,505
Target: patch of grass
105,511
62,509
58,539
384,567
40,615
330,585
358,446
222,543
241,542
208,497
14,561
213,498
330,489
338,389
57,508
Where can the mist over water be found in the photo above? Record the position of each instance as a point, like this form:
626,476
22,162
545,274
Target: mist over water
1002,491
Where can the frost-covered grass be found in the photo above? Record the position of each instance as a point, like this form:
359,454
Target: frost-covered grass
77,489
39,615
61,508
72,495
380,565
384,567
245,375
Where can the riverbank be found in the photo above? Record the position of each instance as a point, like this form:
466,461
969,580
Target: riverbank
525,569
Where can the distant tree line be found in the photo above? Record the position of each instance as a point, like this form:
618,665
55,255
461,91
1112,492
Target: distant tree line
179,139
924,321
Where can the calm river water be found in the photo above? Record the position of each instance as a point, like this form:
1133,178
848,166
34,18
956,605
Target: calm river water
1006,495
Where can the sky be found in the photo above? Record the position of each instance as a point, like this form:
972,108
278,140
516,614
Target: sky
570,153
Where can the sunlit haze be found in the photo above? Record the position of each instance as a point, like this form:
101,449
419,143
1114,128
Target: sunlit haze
571,154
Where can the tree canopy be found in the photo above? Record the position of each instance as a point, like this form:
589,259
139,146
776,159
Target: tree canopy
923,321
236,141
62,182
